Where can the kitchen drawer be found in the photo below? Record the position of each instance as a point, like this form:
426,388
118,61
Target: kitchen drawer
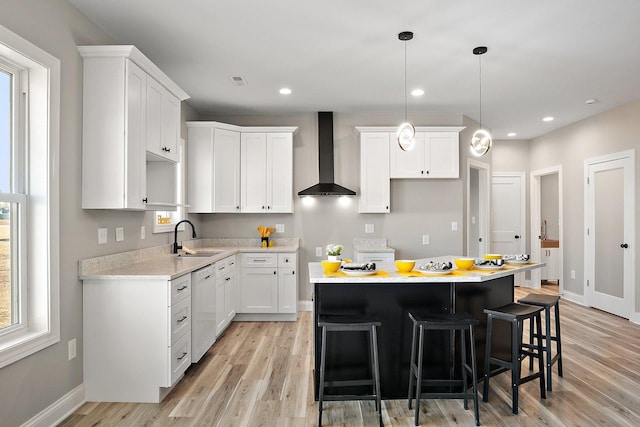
180,319
180,356
259,260
287,260
375,257
180,288
225,266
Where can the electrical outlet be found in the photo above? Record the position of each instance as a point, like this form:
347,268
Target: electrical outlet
279,228
369,228
319,251
473,220
102,235
425,239
454,226
573,274
142,233
71,345
119,234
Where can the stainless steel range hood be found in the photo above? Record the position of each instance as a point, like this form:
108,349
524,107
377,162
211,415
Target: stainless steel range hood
326,186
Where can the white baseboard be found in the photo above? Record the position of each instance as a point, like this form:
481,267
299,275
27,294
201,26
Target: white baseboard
635,318
59,410
573,297
305,305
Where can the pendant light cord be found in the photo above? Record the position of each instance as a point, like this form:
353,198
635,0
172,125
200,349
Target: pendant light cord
405,81
480,85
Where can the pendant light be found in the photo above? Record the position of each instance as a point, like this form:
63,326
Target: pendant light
406,131
481,139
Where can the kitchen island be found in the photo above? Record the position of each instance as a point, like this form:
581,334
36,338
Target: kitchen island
390,296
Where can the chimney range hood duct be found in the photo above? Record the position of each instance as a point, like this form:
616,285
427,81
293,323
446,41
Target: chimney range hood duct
327,186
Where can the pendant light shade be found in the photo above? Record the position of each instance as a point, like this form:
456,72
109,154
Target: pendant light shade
481,139
406,131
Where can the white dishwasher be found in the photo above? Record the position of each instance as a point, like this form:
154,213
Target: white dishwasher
203,311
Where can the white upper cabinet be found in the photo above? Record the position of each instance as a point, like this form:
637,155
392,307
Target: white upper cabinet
213,168
240,169
128,103
435,155
266,167
375,192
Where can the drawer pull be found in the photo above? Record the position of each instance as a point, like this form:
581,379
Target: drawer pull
182,319
182,288
184,353
259,260
227,279
206,277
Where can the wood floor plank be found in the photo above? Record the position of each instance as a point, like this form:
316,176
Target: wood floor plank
261,374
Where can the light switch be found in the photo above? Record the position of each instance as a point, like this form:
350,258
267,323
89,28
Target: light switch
368,228
119,234
425,239
454,226
102,235
279,228
142,233
319,251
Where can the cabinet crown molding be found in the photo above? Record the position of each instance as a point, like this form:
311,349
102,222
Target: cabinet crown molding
244,129
134,54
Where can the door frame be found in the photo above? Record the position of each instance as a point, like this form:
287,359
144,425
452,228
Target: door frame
535,224
484,198
630,219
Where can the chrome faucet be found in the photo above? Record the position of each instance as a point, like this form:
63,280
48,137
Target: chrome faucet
176,246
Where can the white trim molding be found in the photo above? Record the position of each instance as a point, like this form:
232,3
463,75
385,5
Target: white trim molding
57,412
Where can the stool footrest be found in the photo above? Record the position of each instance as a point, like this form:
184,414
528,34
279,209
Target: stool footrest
346,397
347,383
438,383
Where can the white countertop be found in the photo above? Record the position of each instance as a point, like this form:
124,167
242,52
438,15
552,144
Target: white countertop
316,273
172,266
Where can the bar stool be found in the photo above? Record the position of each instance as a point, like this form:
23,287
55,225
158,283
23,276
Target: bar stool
547,301
514,313
348,323
443,322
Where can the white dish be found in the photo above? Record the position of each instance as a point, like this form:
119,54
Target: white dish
488,267
357,273
434,272
516,261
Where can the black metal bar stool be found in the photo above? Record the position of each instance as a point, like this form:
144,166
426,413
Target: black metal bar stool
546,302
443,322
349,323
516,314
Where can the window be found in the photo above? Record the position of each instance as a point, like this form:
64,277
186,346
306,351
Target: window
29,266
165,221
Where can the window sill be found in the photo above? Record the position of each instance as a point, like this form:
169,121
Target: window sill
21,344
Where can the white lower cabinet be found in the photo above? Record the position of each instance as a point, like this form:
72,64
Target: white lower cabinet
136,337
550,256
226,293
268,286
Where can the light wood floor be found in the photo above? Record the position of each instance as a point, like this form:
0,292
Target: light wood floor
260,374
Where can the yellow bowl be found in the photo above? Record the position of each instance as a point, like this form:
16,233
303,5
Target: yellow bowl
464,263
405,265
492,256
330,266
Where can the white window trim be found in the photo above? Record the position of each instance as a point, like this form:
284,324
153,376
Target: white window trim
43,270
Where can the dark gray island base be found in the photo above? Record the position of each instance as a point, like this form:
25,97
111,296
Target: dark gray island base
391,302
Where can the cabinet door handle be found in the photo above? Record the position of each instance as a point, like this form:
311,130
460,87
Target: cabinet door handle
227,279
182,288
427,172
624,246
145,200
182,319
184,353
206,277
268,207
516,236
293,272
275,272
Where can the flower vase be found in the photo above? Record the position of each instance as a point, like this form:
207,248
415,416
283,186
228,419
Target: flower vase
333,258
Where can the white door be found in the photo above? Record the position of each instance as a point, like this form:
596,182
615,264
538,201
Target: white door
609,251
507,214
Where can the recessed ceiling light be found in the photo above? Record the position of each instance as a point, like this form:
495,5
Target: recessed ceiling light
548,119
590,101
511,134
417,92
285,91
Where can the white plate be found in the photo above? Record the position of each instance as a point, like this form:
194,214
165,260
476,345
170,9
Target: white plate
516,261
435,271
488,267
357,273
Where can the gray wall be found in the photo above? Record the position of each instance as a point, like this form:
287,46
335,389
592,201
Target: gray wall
610,132
417,206
32,384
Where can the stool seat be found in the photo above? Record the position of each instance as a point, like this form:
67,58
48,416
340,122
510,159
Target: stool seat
515,314
541,300
442,322
350,323
547,302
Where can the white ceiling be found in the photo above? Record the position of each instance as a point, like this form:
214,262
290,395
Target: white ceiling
545,57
